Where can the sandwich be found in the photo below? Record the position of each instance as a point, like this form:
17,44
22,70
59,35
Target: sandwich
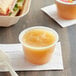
11,7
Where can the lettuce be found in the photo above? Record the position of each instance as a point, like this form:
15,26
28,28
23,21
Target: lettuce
20,0
15,8
15,11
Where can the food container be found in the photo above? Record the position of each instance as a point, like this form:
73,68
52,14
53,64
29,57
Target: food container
66,10
39,55
6,21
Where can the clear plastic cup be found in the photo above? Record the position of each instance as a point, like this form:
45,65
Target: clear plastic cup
66,10
38,55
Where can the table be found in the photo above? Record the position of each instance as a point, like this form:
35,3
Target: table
37,17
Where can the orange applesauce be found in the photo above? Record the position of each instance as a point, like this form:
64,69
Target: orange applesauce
38,44
39,38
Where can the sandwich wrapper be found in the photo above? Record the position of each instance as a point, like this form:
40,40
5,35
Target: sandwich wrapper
19,63
6,21
51,10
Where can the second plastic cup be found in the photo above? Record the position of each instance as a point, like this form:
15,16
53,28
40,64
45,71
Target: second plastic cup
38,54
66,10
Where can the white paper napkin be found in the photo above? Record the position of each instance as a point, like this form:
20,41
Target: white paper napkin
51,10
16,57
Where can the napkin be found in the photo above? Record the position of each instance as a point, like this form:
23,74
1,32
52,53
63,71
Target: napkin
51,10
19,63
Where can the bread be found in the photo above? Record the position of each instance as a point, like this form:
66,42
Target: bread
6,6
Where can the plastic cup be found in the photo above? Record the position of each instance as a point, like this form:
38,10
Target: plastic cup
66,10
38,55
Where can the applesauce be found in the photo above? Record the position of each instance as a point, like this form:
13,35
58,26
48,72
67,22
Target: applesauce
38,44
66,10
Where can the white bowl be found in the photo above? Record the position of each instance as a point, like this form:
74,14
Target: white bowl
6,21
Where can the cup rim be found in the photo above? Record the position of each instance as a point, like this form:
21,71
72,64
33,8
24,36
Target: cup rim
67,3
38,27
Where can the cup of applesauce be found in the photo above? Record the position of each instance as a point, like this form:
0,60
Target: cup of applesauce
66,10
38,44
